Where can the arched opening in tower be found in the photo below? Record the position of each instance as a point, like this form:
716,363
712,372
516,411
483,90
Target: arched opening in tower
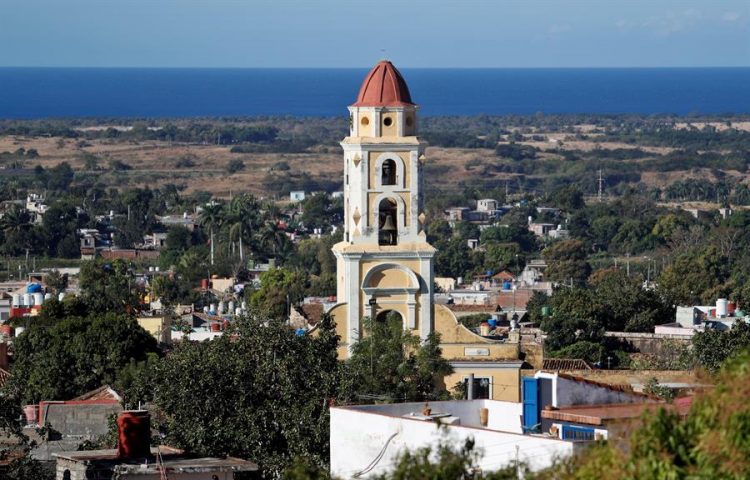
387,223
391,318
388,174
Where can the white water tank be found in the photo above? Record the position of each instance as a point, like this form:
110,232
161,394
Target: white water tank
47,296
238,311
721,307
15,300
38,298
27,300
60,296
221,307
230,308
19,330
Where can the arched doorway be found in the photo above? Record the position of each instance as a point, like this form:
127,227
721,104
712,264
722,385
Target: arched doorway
389,323
390,316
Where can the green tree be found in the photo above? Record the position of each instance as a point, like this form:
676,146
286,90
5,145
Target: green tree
16,226
712,441
211,217
262,394
692,275
447,462
75,355
568,198
319,211
241,218
712,348
274,240
566,262
108,286
389,363
280,288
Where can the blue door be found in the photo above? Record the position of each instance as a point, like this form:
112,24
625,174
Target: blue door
530,392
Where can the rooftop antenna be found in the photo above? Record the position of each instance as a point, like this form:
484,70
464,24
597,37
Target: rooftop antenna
601,184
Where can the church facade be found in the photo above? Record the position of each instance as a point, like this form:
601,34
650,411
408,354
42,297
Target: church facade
384,262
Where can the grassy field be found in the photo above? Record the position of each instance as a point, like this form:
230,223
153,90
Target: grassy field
204,167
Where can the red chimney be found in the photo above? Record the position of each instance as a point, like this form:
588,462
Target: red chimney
134,439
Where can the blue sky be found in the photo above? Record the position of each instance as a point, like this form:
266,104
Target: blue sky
355,33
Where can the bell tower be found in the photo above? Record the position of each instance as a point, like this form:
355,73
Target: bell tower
384,263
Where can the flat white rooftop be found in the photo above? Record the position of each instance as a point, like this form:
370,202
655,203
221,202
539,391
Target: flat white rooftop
366,440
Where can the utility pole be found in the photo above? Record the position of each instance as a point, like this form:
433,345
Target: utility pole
601,184
506,190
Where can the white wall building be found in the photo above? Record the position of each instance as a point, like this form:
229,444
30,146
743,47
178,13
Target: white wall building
366,440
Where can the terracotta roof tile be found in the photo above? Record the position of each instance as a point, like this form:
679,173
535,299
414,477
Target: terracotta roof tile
565,364
383,87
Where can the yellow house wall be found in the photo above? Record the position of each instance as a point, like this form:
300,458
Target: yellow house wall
156,326
506,382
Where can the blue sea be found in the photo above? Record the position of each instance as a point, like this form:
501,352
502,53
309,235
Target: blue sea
147,92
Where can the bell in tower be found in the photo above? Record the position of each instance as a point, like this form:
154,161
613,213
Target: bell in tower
388,233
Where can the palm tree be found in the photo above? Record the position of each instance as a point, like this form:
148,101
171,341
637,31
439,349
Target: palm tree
241,214
274,238
15,220
211,216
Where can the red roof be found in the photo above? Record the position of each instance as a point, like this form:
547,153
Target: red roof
383,87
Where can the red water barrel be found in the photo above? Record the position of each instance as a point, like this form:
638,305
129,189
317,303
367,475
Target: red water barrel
204,283
215,327
6,330
30,412
731,307
134,434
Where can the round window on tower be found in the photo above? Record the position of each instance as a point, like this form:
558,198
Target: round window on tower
365,121
387,121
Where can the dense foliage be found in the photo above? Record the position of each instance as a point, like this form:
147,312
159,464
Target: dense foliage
69,356
262,394
391,364
711,442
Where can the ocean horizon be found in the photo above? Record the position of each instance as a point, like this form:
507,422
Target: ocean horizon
46,92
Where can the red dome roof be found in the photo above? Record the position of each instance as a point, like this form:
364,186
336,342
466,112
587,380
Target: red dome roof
383,87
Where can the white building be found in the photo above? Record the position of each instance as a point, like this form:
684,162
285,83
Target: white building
296,196
36,207
366,440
